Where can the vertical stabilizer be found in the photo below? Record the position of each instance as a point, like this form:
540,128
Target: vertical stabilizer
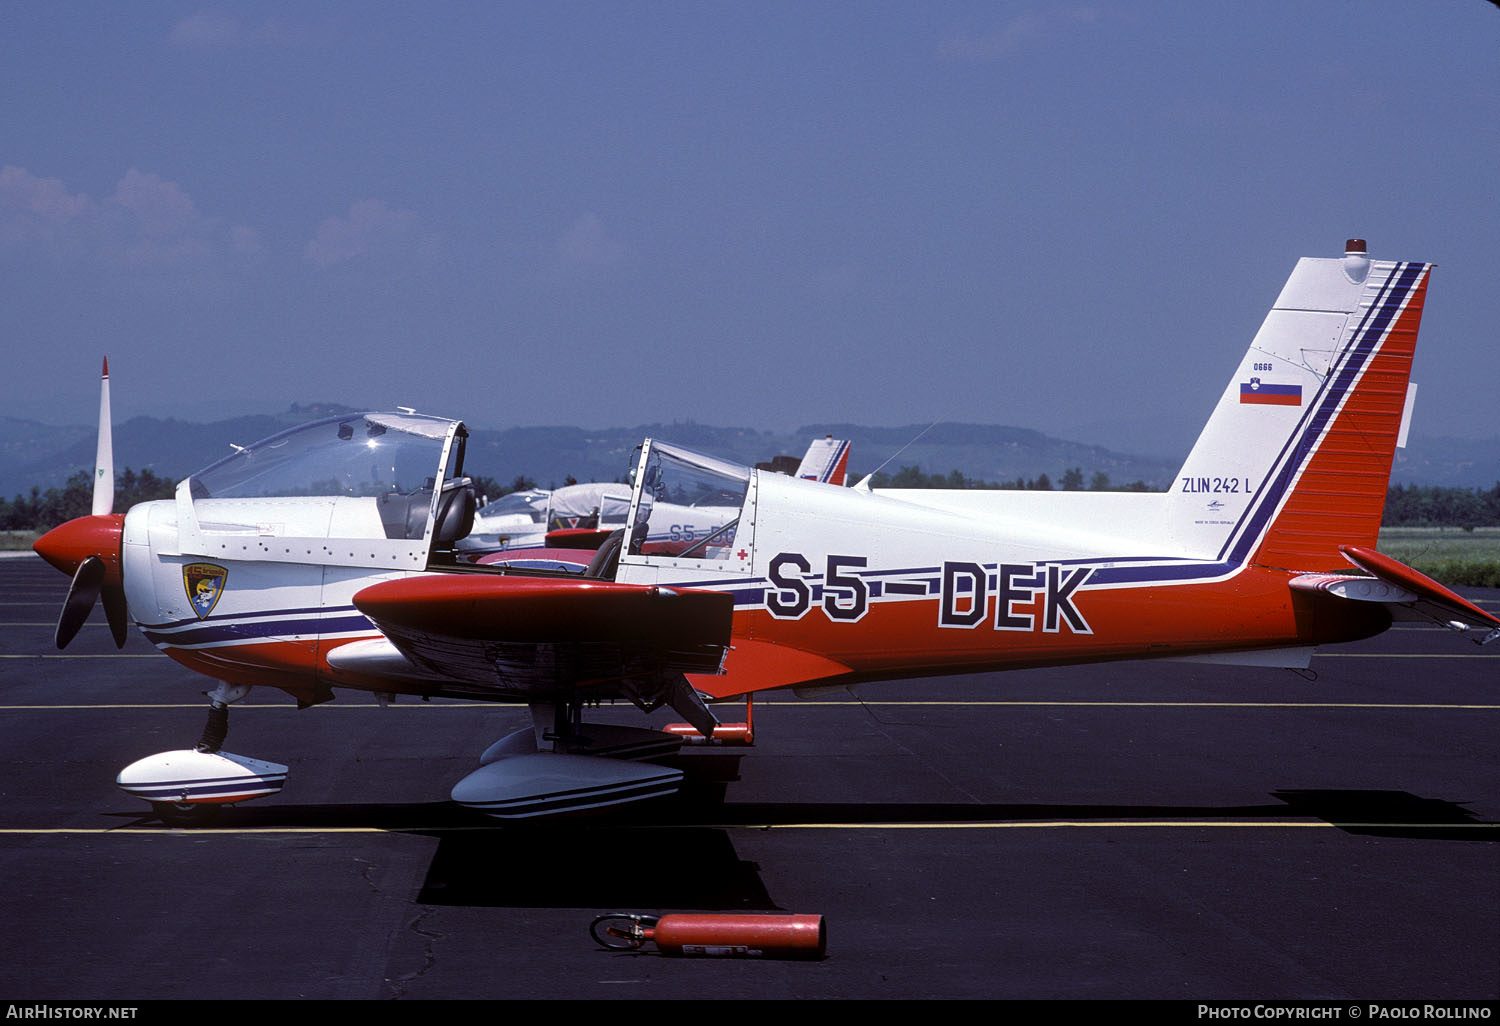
827,460
1296,458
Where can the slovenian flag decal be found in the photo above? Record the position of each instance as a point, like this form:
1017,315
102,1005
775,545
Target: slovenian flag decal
1257,393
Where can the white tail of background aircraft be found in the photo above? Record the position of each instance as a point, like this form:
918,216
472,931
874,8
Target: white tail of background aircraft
827,460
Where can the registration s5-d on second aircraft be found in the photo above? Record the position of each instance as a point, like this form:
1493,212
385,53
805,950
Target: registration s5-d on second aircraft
323,558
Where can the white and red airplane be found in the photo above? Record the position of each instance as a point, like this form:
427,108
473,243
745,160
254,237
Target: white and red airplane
323,558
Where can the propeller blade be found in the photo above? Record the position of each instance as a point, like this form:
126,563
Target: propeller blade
104,456
82,594
114,611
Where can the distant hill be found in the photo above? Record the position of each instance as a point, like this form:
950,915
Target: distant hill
1448,463
44,456
989,452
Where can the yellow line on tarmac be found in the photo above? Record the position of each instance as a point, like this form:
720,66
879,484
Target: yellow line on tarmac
803,704
1111,824
102,655
1148,704
1407,655
283,706
197,831
1055,824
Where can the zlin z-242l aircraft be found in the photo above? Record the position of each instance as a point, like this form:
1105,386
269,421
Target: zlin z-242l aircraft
323,558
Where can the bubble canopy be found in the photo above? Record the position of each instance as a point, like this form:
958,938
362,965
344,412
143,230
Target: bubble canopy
360,454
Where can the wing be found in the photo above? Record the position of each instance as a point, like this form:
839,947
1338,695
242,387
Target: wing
538,638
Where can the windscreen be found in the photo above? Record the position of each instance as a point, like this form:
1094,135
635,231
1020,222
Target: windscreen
688,505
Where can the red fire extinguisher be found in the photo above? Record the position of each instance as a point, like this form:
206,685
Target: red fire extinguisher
715,935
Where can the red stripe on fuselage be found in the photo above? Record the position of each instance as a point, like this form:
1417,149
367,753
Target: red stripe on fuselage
1254,609
292,666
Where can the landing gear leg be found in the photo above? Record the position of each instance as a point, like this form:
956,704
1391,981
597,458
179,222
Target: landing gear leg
564,718
214,732
217,727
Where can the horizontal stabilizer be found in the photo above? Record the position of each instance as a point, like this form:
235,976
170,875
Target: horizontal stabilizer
1432,598
1394,583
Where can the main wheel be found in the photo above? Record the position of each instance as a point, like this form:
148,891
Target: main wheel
186,814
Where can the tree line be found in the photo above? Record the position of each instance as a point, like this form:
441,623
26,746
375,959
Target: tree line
1071,481
1419,506
1405,505
42,511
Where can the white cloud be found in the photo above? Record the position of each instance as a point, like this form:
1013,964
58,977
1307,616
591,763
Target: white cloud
39,213
214,29
146,223
1016,35
161,208
46,198
373,230
207,30
586,245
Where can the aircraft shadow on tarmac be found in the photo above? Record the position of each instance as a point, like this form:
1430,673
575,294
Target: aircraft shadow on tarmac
678,853
689,861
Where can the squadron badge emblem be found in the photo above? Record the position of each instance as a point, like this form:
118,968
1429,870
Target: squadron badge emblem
204,583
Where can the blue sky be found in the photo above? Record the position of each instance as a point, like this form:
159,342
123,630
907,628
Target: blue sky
1070,217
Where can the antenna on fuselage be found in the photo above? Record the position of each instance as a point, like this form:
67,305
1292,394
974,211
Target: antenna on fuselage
864,484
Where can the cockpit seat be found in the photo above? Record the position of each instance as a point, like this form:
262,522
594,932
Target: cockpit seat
455,514
403,515
607,559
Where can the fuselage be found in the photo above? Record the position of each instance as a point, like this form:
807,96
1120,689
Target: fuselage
827,583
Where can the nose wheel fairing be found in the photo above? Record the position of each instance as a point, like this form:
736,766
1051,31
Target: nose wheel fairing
190,777
188,785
